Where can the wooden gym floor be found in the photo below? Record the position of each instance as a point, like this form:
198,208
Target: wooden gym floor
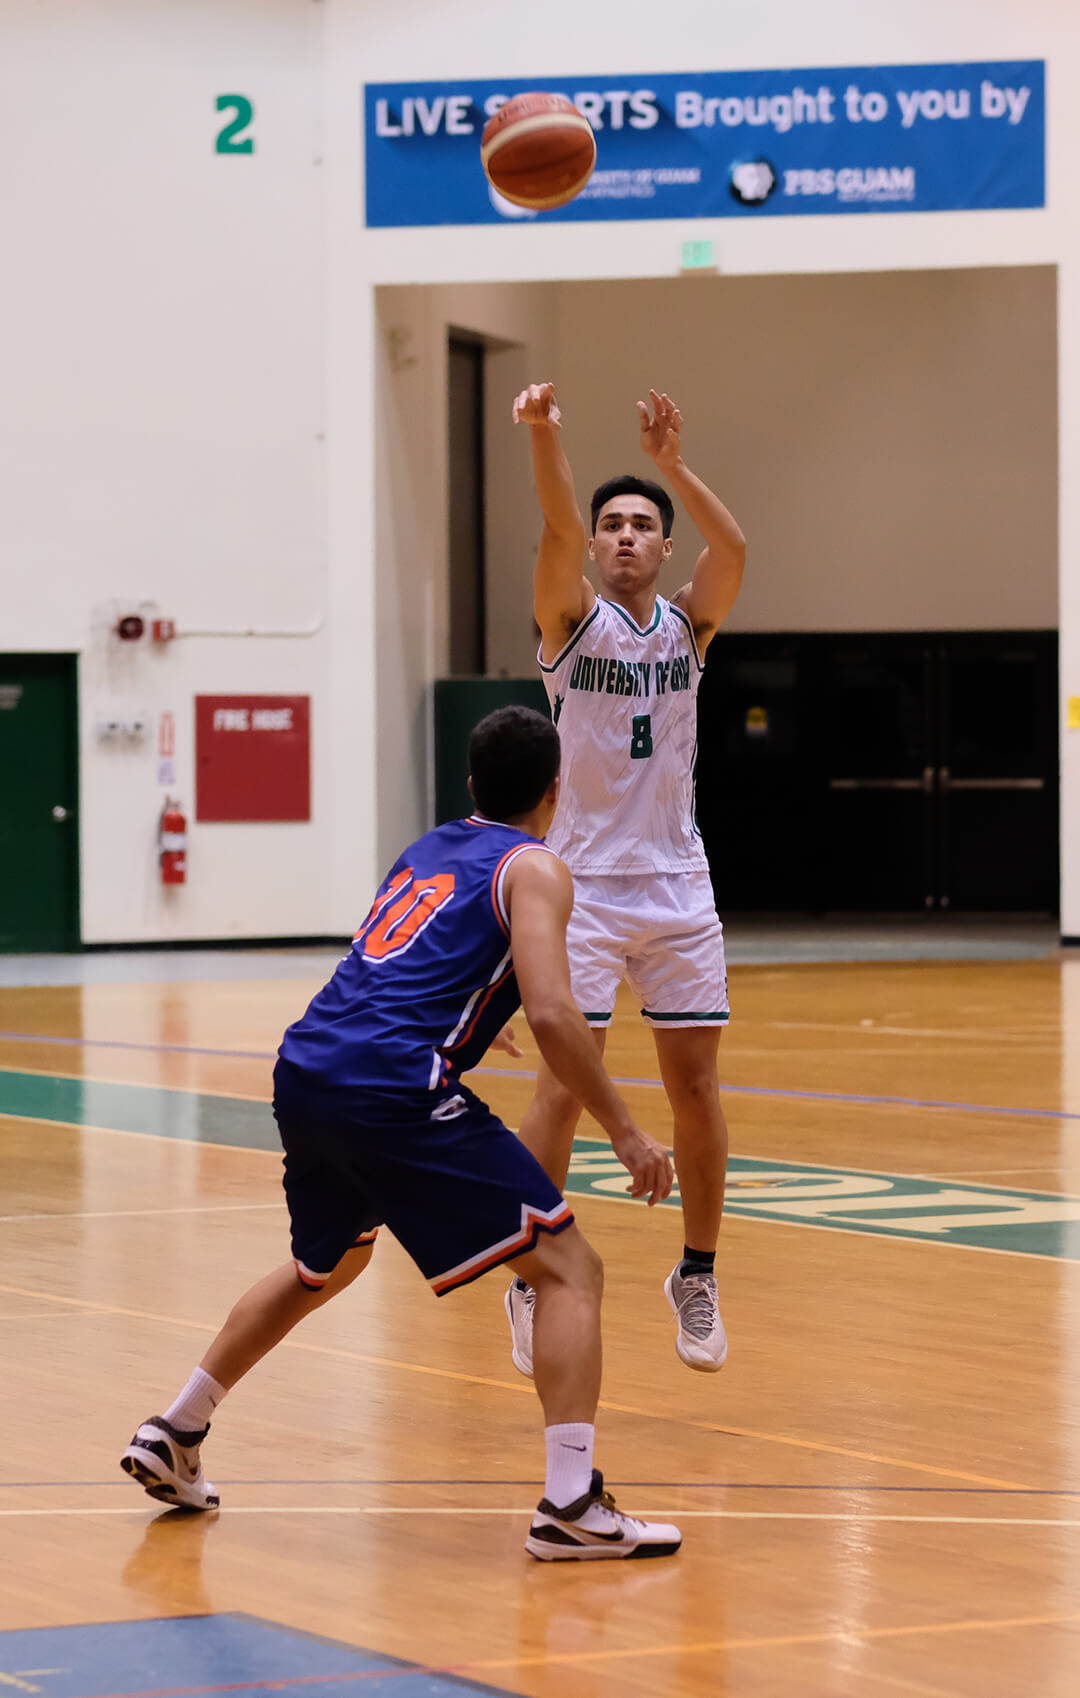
880,1495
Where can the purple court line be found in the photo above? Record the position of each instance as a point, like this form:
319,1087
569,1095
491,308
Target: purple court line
128,1043
828,1097
526,1073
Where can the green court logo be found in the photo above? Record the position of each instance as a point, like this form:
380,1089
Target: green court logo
894,1205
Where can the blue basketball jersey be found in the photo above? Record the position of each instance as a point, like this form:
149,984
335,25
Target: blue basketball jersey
429,980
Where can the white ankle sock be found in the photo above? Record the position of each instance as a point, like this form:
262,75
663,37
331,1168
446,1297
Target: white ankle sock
196,1404
569,1462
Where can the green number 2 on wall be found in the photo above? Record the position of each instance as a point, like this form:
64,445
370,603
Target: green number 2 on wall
230,139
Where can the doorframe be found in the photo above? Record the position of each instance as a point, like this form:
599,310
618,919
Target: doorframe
69,660
74,939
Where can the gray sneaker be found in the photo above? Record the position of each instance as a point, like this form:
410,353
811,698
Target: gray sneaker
519,1311
701,1340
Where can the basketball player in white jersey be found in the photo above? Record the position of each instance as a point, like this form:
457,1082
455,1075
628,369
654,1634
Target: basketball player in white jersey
621,670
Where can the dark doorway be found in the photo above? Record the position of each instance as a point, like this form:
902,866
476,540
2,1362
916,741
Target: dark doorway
881,772
39,831
466,506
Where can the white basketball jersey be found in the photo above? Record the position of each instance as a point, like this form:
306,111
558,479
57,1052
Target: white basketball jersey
625,702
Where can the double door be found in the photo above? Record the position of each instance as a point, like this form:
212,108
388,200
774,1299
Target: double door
888,772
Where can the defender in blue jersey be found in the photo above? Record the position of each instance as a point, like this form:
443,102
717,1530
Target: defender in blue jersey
469,924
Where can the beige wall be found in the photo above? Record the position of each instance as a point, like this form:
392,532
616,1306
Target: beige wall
411,614
887,441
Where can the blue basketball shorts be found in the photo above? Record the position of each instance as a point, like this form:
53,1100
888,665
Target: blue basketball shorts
455,1187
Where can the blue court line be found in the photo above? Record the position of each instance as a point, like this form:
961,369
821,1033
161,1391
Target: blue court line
620,1485
527,1073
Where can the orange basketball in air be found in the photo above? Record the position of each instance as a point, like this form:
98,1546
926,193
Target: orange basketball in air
538,150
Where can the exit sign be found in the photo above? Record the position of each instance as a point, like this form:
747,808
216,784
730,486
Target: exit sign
698,256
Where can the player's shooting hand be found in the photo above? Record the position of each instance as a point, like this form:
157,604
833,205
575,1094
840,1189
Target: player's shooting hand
660,430
647,1163
505,1041
537,406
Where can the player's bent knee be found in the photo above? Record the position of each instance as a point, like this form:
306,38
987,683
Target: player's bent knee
567,1259
583,1264
350,1267
594,1268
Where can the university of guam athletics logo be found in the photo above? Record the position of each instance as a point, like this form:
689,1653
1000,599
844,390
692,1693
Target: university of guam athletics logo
752,181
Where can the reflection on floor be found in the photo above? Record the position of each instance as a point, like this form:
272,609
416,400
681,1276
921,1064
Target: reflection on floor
774,940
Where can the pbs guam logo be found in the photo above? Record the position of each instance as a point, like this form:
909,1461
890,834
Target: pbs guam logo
752,181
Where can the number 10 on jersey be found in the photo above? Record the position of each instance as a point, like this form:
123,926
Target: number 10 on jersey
641,736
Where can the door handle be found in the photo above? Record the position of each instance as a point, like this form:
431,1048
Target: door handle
949,783
877,784
59,814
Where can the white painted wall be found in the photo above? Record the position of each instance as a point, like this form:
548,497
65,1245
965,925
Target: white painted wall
163,354
180,329
480,38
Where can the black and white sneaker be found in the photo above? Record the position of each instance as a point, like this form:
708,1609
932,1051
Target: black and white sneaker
592,1530
166,1464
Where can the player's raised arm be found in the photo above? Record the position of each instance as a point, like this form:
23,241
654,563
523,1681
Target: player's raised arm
539,895
710,595
562,595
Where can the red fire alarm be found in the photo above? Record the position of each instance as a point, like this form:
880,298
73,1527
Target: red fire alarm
130,628
163,630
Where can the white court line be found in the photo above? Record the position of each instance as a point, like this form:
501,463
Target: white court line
40,1314
875,1031
127,1214
679,1514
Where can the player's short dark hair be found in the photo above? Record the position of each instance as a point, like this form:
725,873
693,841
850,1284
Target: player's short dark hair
514,757
628,484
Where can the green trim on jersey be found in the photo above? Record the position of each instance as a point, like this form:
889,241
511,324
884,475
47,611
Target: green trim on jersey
576,638
679,614
606,1018
720,1015
634,626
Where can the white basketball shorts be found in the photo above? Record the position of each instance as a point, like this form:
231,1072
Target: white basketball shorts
659,932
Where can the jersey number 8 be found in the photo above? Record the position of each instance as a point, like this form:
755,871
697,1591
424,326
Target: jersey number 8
641,738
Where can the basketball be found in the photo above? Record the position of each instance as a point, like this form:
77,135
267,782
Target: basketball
538,150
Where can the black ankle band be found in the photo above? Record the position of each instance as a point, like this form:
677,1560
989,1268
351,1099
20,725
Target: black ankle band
697,1262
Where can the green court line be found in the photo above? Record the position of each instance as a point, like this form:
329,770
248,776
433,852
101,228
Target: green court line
891,1205
190,1116
884,1205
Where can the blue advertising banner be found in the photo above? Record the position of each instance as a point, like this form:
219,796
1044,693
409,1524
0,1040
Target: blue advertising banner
730,144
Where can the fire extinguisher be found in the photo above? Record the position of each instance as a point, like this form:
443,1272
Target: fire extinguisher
172,844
